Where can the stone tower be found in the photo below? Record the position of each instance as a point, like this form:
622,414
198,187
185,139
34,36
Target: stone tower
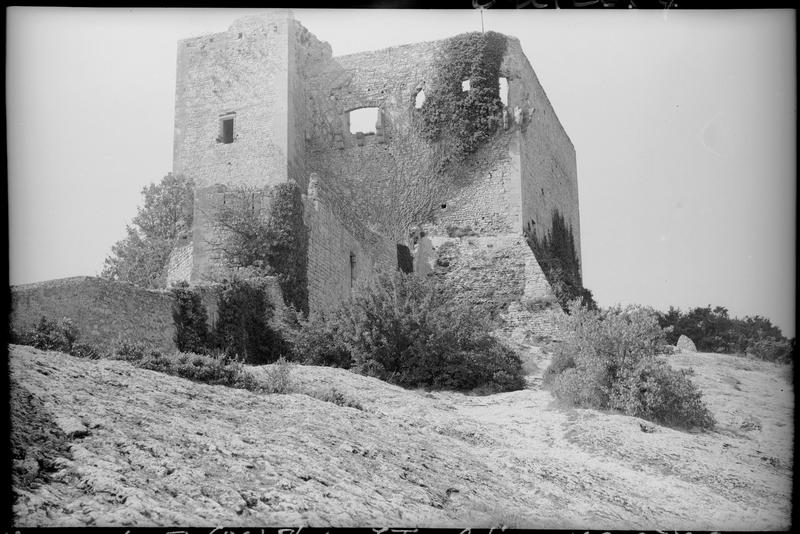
266,102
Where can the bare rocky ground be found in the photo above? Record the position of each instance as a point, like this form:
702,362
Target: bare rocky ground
104,443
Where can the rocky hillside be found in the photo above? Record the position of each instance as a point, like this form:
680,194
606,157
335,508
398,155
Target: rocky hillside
104,443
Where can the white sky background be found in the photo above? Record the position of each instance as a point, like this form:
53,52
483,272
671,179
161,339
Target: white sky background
683,124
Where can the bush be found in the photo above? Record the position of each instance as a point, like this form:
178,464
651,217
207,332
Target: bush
334,396
243,329
131,351
84,350
191,320
60,336
655,391
771,349
277,377
319,341
51,335
400,328
610,360
561,361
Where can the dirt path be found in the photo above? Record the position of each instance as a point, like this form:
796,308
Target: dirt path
141,448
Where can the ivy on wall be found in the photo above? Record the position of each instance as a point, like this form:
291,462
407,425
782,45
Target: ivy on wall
558,258
288,252
464,119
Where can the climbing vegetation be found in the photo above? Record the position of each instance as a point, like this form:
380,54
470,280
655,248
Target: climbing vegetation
556,254
464,119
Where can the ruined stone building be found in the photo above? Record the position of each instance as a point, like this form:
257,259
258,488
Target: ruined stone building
266,102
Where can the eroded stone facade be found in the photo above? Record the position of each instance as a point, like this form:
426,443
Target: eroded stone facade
289,99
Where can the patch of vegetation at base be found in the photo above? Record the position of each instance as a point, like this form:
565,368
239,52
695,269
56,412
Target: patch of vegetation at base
212,369
243,328
334,396
191,320
610,360
61,336
402,329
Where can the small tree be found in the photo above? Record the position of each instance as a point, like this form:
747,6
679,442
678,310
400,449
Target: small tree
267,238
141,257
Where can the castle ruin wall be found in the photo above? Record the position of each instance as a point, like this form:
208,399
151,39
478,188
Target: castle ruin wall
103,310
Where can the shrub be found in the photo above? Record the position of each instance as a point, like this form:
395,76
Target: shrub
609,360
60,336
771,349
277,377
191,320
318,340
334,396
561,361
655,391
131,351
84,350
243,328
51,335
402,329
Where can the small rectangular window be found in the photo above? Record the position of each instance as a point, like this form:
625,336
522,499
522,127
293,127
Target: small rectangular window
503,82
226,129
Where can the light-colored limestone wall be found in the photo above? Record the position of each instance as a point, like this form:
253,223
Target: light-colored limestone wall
485,197
547,157
335,235
490,272
243,71
179,266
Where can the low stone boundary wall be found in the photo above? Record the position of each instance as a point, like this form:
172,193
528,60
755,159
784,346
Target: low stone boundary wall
105,310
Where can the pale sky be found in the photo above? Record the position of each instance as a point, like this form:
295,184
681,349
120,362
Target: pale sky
683,124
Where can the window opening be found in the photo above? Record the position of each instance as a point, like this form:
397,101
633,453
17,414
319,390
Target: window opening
226,129
420,99
405,260
352,269
364,120
504,91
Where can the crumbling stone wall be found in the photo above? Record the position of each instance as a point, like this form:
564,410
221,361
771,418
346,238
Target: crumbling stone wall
295,97
102,309
388,176
490,272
